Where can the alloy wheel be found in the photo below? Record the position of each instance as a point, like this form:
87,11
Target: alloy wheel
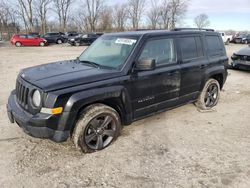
100,132
211,95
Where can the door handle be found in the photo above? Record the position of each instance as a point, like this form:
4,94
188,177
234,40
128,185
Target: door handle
203,66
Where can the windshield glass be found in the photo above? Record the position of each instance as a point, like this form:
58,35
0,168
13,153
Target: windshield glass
109,51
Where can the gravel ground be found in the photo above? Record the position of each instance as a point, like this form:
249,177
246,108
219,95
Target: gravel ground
178,148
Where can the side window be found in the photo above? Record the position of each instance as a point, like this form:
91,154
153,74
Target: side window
30,37
214,45
162,50
189,47
22,36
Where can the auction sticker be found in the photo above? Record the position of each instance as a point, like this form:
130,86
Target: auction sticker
125,41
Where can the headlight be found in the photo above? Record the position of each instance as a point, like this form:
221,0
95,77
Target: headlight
36,98
234,57
72,39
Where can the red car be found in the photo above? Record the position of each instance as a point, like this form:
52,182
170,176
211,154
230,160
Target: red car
27,40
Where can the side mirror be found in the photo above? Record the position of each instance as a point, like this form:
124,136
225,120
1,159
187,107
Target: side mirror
145,65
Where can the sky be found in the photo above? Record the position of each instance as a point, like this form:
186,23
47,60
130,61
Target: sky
223,14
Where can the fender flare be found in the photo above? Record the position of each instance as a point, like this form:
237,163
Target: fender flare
84,98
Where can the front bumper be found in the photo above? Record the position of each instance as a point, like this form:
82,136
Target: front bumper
238,65
38,125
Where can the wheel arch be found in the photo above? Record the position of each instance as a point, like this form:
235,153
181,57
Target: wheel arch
115,96
218,73
219,77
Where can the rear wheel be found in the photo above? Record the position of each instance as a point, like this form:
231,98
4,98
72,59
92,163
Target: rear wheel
59,41
97,127
18,44
209,96
228,41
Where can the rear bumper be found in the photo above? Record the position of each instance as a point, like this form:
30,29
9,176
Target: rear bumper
35,125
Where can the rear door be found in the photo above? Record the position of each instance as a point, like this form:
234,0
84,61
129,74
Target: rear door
193,64
23,39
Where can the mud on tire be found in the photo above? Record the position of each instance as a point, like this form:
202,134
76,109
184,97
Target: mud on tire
85,127
202,102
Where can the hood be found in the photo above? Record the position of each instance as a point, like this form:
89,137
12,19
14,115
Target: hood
59,75
244,51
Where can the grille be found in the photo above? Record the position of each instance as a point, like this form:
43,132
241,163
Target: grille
22,94
244,58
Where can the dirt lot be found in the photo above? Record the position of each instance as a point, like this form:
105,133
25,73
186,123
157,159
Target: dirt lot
178,148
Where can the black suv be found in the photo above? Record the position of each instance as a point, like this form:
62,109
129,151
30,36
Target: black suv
120,78
57,38
85,39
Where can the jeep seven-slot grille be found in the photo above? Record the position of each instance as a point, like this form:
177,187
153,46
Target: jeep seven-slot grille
22,94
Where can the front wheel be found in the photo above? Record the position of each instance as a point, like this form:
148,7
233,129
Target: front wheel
42,44
97,127
209,96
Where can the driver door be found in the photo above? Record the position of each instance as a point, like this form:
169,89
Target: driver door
157,89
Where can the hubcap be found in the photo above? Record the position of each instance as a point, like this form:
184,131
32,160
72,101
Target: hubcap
211,95
100,132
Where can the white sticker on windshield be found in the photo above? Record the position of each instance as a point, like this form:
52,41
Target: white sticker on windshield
125,41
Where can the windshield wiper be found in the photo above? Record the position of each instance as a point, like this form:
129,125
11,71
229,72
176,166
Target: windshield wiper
93,64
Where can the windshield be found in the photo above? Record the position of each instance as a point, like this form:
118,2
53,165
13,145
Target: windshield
109,51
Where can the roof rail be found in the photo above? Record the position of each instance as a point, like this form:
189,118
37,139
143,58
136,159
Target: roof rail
191,29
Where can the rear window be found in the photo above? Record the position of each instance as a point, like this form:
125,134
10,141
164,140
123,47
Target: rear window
214,45
191,47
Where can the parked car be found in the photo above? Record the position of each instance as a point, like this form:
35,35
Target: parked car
226,38
34,34
246,40
72,35
239,39
120,78
241,59
27,40
56,37
86,39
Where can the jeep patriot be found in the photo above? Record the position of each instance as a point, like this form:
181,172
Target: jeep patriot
120,78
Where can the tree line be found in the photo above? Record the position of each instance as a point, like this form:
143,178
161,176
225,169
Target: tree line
89,15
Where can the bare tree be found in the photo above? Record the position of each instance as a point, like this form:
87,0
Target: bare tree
93,11
79,19
41,7
26,11
136,11
201,21
62,10
8,20
106,19
120,16
165,13
154,14
178,8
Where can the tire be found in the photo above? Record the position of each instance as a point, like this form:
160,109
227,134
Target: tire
227,42
209,96
97,127
18,44
59,41
42,44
